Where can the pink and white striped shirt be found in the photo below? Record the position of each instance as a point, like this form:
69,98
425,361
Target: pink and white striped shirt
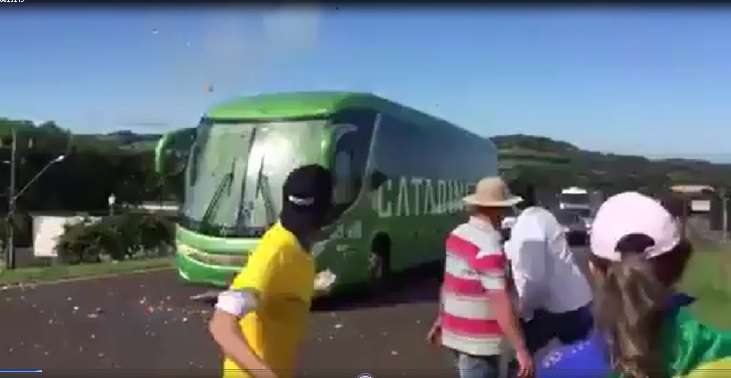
475,264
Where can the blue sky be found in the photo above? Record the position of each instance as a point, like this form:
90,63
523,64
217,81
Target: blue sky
649,81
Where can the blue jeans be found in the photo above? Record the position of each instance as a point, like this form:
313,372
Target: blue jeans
567,327
470,366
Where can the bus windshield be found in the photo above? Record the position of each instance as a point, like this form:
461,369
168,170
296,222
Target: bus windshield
236,172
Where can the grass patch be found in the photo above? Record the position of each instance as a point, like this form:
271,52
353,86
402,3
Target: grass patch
59,272
708,278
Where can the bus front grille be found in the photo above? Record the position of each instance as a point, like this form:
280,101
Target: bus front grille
212,259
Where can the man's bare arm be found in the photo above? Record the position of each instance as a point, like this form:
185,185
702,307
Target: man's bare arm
507,318
224,327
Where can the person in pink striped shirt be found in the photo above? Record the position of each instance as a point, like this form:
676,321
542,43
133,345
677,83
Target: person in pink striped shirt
477,320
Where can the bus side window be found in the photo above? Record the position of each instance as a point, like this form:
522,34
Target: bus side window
344,187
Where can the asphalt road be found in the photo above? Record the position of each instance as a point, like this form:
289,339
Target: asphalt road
144,325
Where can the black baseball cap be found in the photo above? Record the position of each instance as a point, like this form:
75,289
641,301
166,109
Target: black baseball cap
307,197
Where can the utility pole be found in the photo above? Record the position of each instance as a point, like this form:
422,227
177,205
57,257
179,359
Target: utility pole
10,254
13,197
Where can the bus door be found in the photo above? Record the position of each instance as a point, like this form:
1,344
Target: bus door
351,144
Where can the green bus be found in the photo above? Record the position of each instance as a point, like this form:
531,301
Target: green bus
399,175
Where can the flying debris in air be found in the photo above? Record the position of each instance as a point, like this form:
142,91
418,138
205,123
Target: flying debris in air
155,31
209,88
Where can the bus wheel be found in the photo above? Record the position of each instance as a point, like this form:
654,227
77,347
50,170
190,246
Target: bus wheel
379,267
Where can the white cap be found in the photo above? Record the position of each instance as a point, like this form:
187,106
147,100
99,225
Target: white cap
632,213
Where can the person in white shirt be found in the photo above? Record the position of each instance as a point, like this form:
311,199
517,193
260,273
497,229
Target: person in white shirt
554,296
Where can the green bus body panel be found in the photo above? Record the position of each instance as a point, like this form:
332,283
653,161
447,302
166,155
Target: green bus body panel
417,206
290,105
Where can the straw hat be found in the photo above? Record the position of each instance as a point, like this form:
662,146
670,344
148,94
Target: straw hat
492,192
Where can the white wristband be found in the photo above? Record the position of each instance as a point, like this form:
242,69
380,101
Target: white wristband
237,302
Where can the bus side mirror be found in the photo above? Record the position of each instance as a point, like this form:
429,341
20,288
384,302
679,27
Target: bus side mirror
171,153
377,179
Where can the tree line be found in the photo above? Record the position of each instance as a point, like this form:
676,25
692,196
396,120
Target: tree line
95,166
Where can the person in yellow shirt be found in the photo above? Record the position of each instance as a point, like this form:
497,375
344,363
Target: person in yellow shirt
261,319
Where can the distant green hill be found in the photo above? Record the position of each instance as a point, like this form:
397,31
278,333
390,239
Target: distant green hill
556,164
49,133
543,161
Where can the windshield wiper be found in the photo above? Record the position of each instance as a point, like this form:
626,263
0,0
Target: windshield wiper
213,205
243,203
262,186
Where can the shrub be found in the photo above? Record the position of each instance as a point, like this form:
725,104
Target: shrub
23,225
119,237
86,241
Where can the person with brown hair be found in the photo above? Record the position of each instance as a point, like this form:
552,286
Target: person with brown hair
643,328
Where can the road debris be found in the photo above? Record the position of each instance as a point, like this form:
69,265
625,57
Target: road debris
185,320
324,280
338,326
394,353
92,336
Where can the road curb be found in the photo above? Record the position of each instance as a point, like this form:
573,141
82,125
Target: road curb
84,278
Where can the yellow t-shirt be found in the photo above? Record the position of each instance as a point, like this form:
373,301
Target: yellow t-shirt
283,273
719,368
